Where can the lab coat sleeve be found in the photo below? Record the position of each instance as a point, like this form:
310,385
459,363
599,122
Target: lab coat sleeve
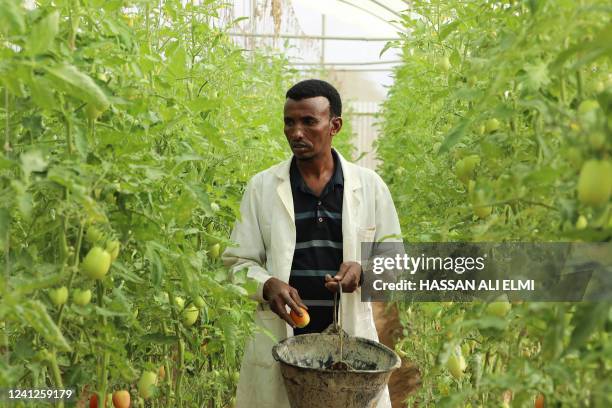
249,250
387,221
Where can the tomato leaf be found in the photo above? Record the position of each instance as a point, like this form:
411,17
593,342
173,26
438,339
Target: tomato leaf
448,28
159,338
454,135
43,34
69,79
157,268
588,318
35,315
11,15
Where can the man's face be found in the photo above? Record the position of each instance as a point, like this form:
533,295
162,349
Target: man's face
309,127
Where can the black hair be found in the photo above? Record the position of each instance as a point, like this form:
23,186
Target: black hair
311,88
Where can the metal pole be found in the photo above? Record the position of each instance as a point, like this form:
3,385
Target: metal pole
350,70
347,63
253,24
315,37
322,40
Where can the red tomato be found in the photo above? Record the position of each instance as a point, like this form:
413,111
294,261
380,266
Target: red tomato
93,401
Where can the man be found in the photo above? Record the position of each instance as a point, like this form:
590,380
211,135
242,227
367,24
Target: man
303,221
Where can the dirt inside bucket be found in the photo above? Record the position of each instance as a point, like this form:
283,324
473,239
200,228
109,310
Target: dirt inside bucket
340,366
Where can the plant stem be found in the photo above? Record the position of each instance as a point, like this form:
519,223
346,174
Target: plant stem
57,375
181,351
102,381
5,286
579,87
72,272
68,134
7,129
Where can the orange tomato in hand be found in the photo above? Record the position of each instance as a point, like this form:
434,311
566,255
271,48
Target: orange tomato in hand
302,321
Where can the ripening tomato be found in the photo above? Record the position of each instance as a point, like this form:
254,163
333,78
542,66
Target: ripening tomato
96,263
59,296
81,297
121,399
539,401
146,384
300,321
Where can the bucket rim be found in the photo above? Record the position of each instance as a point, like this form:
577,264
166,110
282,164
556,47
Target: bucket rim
396,364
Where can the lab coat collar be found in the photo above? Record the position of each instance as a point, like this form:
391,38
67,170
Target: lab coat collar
351,183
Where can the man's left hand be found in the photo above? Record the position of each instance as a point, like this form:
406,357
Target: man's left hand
348,276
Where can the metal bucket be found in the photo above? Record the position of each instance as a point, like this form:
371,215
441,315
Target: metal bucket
304,362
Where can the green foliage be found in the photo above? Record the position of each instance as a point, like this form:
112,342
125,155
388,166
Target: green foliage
493,114
139,123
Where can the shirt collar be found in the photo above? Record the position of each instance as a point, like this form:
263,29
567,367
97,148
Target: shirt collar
337,178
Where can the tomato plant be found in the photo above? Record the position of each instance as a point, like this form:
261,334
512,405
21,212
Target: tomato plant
129,130
513,143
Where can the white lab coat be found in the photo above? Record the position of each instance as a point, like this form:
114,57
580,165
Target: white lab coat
265,235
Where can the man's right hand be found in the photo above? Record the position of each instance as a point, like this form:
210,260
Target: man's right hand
278,294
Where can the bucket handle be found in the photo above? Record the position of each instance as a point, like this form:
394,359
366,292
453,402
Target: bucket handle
338,304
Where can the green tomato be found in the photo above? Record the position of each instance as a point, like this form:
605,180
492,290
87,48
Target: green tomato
445,64
581,223
481,129
597,140
215,207
59,296
499,308
482,211
595,182
492,125
94,235
199,302
214,251
96,263
180,302
587,112
93,112
81,297
400,171
146,384
189,315
456,365
465,167
112,247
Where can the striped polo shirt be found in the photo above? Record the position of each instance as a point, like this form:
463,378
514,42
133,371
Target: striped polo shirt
318,247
